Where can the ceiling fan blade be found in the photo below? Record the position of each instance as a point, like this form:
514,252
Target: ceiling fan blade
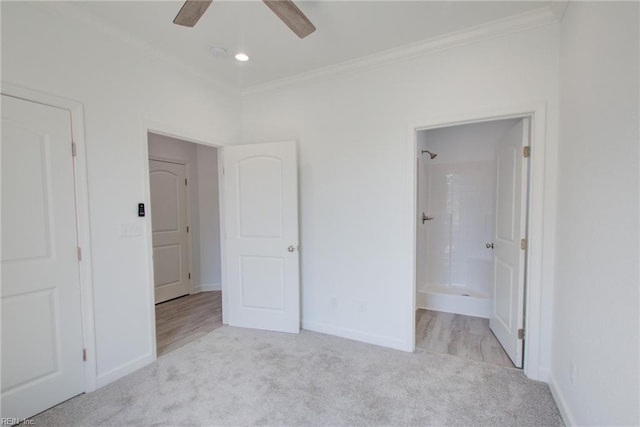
191,12
293,17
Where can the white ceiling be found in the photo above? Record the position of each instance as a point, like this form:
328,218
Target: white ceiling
346,30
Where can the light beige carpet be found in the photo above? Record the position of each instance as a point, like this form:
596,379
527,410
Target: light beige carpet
237,377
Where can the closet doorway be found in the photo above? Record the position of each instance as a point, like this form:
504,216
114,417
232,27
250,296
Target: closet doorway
185,219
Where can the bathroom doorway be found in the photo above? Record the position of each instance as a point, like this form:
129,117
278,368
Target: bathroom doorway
471,239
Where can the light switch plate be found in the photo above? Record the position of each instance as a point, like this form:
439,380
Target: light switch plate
130,229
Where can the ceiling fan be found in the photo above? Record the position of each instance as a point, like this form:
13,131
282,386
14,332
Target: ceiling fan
287,11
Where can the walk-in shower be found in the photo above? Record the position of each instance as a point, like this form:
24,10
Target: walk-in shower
455,218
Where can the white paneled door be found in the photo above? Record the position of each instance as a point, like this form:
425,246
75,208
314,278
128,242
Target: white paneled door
42,357
169,223
261,229
510,232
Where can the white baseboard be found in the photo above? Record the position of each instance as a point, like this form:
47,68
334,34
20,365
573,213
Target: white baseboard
421,299
209,287
561,402
543,375
125,369
357,335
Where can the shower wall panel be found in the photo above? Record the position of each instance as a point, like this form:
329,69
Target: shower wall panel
460,201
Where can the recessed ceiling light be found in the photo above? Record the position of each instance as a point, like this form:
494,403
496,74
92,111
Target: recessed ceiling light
218,52
242,57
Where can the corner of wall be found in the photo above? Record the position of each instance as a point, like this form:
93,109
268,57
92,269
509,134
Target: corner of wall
558,8
558,396
125,369
352,334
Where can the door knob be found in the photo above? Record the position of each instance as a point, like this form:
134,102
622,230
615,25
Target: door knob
291,249
489,245
426,218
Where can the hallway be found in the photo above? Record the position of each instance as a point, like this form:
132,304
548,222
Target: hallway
185,319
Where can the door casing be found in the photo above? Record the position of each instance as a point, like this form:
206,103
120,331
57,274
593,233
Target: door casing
535,340
146,127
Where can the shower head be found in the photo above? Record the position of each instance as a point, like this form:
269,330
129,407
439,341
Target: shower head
432,155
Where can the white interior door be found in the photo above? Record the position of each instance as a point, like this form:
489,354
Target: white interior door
169,224
510,228
261,229
41,308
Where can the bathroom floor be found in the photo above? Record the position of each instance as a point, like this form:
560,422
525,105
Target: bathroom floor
459,335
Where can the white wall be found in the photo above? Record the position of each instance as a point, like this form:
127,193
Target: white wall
465,143
354,151
122,88
596,312
210,269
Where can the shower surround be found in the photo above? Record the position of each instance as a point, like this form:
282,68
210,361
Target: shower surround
456,202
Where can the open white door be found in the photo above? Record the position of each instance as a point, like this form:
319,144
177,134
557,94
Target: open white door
510,241
261,236
41,308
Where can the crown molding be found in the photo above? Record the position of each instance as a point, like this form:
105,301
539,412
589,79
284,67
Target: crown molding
542,16
66,9
526,21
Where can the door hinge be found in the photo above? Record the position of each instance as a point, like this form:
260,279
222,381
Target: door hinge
79,253
526,151
84,354
520,334
185,181
74,149
189,275
523,244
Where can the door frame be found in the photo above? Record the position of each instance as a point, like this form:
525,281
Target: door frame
83,224
146,126
537,336
187,170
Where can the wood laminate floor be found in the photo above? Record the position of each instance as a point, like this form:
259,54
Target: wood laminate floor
459,335
185,319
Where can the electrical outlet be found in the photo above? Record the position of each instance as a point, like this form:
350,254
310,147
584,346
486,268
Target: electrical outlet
572,373
362,305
